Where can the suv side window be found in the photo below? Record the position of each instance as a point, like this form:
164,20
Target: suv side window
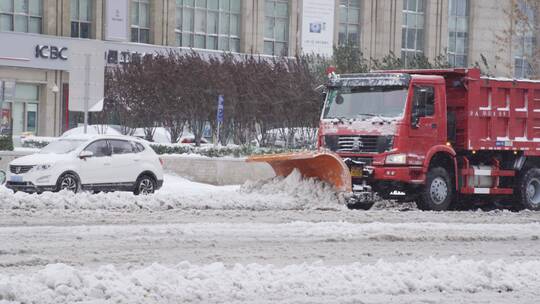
121,146
424,101
137,147
99,148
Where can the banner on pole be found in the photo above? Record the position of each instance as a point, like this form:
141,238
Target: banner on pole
220,109
318,27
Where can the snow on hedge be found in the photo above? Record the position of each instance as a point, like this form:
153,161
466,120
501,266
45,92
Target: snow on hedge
292,192
256,283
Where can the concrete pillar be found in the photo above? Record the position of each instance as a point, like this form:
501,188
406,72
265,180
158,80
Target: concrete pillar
295,24
156,22
128,23
49,17
247,26
252,26
436,28
258,26
48,105
56,17
380,28
169,23
96,31
64,18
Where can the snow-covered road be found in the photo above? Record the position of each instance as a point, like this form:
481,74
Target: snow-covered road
262,243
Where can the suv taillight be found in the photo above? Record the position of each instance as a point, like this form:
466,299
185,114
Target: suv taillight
161,161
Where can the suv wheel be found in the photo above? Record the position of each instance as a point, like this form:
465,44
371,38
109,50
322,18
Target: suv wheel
437,193
145,185
69,182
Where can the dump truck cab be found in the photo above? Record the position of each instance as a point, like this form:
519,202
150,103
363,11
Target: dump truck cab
385,126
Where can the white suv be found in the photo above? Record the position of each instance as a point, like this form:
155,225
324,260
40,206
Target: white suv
96,163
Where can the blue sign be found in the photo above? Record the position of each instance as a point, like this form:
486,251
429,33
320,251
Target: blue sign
220,109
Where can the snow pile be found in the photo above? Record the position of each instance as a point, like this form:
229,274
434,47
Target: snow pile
185,282
307,192
393,205
178,193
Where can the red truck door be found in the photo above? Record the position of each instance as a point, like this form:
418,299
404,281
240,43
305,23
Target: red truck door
425,122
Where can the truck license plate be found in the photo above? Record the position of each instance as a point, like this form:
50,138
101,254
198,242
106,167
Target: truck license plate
356,171
16,179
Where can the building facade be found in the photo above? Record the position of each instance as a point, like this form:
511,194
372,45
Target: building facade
36,87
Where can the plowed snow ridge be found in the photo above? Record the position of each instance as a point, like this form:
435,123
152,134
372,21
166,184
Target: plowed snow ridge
288,193
185,282
295,231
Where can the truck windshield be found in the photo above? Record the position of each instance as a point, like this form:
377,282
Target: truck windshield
362,102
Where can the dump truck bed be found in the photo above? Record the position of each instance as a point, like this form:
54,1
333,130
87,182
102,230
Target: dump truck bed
491,113
503,114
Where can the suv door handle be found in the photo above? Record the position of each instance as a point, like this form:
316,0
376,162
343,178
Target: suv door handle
107,164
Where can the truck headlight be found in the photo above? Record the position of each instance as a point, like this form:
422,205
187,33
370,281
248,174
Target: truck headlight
396,159
42,167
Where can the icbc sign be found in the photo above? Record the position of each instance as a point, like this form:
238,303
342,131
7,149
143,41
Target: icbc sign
51,52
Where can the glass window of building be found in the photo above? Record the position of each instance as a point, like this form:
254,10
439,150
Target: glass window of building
140,21
81,11
21,15
276,27
349,22
458,32
21,115
212,24
412,30
524,40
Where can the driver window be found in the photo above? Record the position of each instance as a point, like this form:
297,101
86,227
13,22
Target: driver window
424,101
99,148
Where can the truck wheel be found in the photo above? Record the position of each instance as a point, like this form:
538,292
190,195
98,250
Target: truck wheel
529,189
438,192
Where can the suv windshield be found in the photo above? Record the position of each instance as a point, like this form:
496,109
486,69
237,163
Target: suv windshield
62,146
362,102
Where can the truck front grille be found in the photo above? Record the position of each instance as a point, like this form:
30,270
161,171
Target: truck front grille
19,169
358,143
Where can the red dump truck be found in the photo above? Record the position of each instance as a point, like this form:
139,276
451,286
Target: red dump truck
443,138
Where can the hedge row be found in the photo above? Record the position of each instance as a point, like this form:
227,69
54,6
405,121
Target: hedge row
208,151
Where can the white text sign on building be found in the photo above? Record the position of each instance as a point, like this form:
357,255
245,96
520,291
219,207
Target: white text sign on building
117,18
318,27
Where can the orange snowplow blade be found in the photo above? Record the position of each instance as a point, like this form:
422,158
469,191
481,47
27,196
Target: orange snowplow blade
325,166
